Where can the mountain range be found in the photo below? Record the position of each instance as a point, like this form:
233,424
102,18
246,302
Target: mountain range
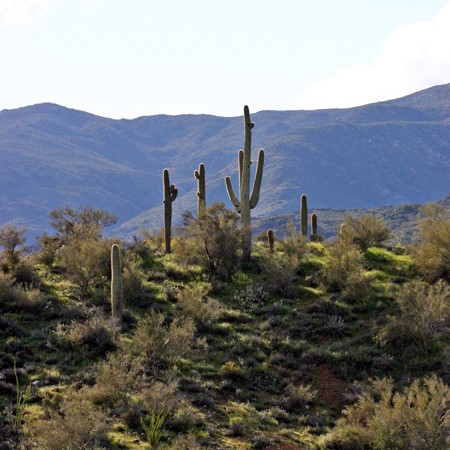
386,153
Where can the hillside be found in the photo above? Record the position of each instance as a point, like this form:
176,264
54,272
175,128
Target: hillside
380,154
310,346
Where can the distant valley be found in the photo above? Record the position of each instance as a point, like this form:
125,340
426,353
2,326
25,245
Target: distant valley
387,153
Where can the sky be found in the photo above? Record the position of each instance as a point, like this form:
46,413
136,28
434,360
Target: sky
131,58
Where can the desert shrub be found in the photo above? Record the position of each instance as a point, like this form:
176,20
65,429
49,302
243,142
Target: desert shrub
344,267
432,252
423,313
87,262
48,249
160,395
161,343
194,303
97,334
134,292
72,425
384,419
18,298
213,241
280,273
12,240
25,274
293,243
185,442
184,417
117,377
365,231
299,397
251,297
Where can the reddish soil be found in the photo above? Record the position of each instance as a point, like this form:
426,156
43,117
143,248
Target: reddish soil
330,387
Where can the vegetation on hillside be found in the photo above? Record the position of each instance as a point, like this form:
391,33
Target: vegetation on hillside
317,345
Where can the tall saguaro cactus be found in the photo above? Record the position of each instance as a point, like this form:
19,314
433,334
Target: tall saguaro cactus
304,216
246,201
116,285
201,192
170,194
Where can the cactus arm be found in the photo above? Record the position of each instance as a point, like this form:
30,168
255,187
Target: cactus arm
173,192
232,195
258,178
240,166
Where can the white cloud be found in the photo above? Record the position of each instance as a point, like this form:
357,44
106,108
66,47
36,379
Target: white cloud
412,58
15,13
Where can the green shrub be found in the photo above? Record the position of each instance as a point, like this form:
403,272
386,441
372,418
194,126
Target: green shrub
365,231
416,418
87,263
118,376
161,343
194,303
423,313
213,241
280,273
344,267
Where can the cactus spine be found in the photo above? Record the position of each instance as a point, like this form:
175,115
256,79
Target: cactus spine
116,286
246,202
170,194
201,192
304,215
270,239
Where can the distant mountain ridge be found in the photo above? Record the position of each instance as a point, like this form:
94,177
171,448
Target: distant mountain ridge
384,153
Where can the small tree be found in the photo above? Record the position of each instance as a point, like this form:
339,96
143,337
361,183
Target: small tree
82,223
365,231
12,240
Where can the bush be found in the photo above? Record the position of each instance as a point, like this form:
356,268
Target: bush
432,252
87,263
299,397
194,303
97,334
293,244
74,425
344,267
365,231
12,240
118,376
213,242
162,344
416,418
280,273
424,312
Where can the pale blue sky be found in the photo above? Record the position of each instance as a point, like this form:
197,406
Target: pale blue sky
128,58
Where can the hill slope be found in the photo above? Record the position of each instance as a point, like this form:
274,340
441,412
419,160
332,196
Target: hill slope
385,153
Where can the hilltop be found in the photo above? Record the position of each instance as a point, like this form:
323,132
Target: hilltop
386,153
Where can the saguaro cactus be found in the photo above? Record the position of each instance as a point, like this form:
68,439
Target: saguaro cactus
116,285
270,239
246,201
201,192
304,215
170,194
314,224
